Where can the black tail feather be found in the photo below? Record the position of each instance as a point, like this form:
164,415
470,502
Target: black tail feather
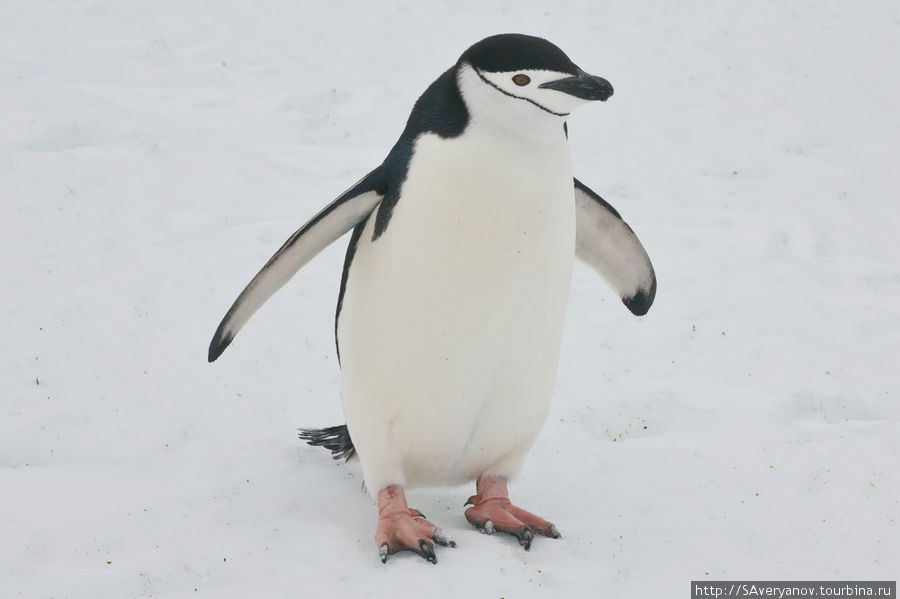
336,439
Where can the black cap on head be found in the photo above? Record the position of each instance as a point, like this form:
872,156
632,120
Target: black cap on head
514,51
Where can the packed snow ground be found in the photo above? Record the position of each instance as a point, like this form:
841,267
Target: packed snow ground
154,155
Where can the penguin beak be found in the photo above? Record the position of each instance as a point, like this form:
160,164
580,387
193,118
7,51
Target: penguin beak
583,85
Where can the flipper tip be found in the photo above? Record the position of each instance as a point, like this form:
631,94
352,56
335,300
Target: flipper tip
639,303
218,345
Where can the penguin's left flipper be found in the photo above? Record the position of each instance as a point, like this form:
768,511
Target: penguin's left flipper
344,213
607,243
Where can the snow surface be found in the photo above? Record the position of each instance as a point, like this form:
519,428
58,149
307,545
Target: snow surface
154,155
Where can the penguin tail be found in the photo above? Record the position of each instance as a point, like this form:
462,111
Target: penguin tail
336,439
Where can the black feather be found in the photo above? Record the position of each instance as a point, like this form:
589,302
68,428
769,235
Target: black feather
336,439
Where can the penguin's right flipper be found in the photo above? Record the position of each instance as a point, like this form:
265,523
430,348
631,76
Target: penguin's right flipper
341,215
606,242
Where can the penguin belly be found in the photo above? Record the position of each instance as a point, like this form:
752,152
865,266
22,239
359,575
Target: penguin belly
452,318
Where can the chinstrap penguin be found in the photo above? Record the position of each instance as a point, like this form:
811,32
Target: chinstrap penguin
450,314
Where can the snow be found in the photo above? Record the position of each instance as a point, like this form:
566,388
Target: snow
154,155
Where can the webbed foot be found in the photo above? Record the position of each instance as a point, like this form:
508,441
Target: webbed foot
492,511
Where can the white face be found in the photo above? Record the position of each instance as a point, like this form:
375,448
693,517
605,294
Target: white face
524,85
514,99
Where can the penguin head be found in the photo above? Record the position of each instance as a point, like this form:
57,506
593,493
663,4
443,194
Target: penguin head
522,80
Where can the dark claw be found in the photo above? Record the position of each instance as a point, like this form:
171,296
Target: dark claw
383,553
554,533
525,536
427,551
441,538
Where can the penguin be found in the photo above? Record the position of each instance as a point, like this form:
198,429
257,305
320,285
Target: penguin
449,318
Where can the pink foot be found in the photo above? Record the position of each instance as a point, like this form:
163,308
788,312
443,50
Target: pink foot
401,528
492,511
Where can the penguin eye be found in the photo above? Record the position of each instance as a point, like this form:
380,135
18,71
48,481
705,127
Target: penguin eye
521,79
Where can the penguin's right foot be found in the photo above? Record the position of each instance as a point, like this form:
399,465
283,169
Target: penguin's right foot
401,528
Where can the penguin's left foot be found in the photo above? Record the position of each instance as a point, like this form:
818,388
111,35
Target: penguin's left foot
492,511
401,528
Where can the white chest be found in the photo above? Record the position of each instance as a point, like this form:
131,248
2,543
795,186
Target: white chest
481,203
452,319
